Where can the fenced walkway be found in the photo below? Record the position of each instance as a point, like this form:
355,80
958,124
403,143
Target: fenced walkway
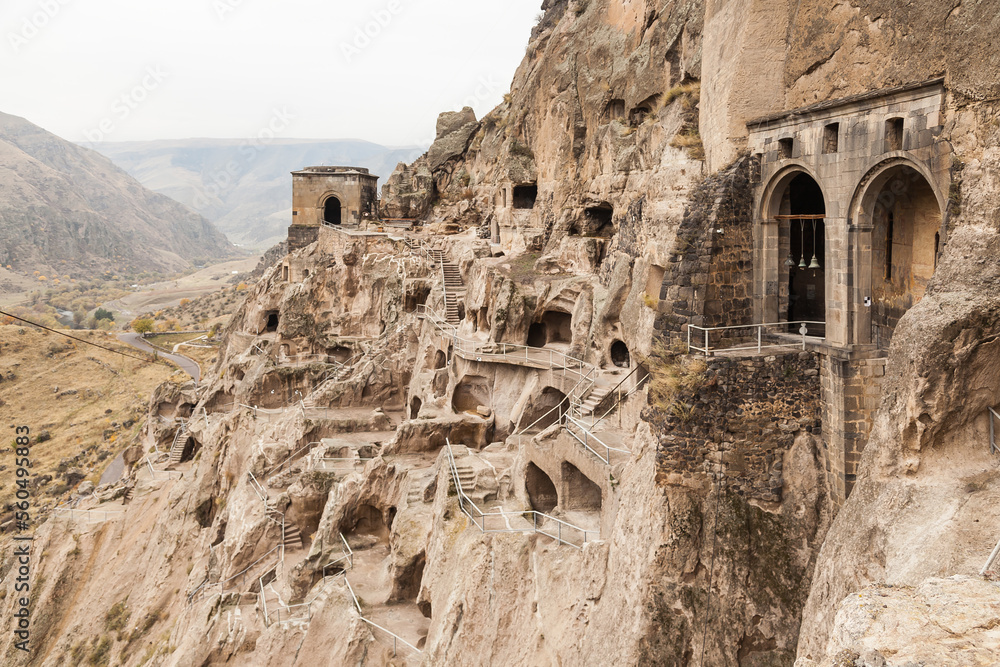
527,521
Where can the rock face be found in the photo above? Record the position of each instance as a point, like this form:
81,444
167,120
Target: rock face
548,480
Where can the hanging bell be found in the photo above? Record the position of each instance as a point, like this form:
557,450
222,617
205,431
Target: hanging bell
790,262
802,262
814,264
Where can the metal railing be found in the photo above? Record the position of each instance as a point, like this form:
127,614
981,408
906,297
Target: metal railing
306,359
591,441
755,338
206,587
515,354
91,516
622,397
285,613
289,460
159,475
327,464
541,523
393,637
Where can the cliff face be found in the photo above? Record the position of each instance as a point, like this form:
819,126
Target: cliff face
375,410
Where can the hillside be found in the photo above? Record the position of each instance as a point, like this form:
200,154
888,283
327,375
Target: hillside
242,187
67,210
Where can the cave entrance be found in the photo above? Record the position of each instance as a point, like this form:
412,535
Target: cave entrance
415,406
407,580
541,491
579,492
440,360
559,326
542,409
366,526
332,211
803,209
598,221
619,354
537,335
525,195
272,321
471,392
906,222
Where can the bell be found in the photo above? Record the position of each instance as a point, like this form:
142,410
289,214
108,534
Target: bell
789,262
802,262
814,264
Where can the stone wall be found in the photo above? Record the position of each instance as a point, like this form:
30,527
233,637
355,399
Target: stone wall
745,416
851,392
709,281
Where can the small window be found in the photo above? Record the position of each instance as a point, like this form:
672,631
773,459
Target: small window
894,134
831,138
937,247
525,195
785,148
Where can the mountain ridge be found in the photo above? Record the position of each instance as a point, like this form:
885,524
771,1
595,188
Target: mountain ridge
68,210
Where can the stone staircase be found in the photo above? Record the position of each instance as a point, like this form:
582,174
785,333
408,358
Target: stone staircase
593,399
181,439
293,536
454,290
466,477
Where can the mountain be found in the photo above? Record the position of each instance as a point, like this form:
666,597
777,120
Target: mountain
68,210
244,187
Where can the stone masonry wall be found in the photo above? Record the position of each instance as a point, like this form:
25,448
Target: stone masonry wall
851,392
745,416
709,281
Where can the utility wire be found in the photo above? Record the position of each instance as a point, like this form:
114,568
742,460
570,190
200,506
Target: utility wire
85,342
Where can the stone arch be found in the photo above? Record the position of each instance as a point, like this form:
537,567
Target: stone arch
332,210
898,213
471,392
542,494
792,267
558,326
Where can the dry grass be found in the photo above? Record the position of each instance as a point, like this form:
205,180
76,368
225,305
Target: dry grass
82,404
675,377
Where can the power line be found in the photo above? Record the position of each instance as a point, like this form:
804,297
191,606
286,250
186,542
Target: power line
85,342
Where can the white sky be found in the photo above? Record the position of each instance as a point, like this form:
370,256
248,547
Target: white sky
231,68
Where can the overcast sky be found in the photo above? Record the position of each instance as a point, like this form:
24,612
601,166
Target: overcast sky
381,70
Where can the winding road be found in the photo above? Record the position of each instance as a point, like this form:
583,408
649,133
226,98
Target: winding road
189,366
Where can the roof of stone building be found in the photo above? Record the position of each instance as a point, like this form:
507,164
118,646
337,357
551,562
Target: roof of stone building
325,171
843,101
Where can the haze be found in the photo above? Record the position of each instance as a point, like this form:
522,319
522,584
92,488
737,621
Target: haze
120,70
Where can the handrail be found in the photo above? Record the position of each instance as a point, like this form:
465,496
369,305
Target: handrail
87,514
759,346
153,472
205,585
289,459
256,486
588,436
361,615
637,387
505,515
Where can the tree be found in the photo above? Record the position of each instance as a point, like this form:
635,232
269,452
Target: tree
142,325
102,314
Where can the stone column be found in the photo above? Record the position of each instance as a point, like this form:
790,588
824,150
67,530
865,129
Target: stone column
837,296
767,272
860,283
